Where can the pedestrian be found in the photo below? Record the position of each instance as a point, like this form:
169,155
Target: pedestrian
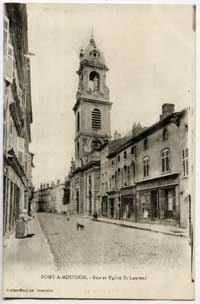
67,215
25,218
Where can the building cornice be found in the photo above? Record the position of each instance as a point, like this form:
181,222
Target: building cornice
163,176
91,100
86,167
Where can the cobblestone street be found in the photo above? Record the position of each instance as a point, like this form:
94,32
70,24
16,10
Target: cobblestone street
105,244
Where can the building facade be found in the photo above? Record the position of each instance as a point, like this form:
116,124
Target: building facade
92,130
17,116
149,175
53,198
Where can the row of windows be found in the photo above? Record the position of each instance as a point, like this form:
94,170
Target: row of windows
133,148
127,171
165,162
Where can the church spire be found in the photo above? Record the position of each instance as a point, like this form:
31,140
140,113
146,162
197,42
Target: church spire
92,41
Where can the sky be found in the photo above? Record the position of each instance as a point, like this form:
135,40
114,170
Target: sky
150,53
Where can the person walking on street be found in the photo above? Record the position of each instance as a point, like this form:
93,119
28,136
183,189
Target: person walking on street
67,215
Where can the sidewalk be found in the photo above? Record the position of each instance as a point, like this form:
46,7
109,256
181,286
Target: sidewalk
153,227
30,253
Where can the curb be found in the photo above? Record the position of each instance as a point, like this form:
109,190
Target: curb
143,228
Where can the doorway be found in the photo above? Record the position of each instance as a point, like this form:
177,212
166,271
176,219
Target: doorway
154,205
90,202
77,201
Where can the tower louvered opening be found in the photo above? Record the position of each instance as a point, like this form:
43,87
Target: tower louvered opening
96,119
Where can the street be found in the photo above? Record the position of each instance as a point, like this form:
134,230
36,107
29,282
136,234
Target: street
109,245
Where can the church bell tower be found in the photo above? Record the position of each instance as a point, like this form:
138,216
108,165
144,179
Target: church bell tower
92,107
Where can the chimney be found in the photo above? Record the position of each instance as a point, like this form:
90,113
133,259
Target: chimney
136,129
52,184
117,135
58,182
167,109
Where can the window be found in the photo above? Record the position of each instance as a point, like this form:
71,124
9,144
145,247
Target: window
115,179
5,35
106,187
78,122
94,81
94,53
78,149
133,169
185,162
96,119
146,166
20,157
112,163
11,127
118,177
125,176
165,160
125,154
118,158
145,144
165,134
90,182
128,176
133,150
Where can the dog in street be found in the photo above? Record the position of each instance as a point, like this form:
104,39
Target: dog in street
80,226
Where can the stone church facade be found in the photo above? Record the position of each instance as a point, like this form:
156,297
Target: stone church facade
92,130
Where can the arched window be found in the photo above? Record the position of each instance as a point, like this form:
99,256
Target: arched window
78,122
96,119
165,154
94,81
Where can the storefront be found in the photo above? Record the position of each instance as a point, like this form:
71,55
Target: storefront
158,200
112,201
104,206
128,204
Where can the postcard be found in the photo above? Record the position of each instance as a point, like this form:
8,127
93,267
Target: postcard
98,150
